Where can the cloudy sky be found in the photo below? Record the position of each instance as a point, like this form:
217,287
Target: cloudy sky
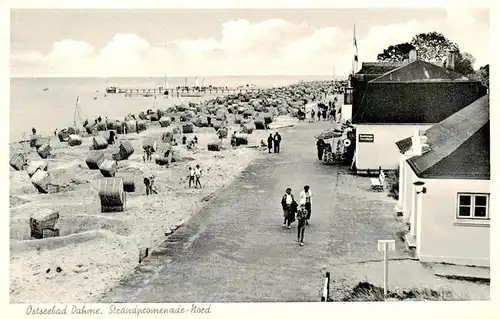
224,42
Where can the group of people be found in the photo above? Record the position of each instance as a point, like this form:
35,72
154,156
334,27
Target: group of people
148,152
328,112
193,177
274,141
301,210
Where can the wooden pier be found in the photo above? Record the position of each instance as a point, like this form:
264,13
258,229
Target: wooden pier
180,91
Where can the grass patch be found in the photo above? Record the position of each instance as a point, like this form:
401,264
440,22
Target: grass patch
392,181
365,291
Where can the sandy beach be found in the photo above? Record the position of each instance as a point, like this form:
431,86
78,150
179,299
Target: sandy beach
94,250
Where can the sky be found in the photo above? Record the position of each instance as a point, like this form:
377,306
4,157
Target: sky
188,42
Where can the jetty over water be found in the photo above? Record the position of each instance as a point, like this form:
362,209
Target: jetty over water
181,91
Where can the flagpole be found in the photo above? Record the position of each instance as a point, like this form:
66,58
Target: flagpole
76,108
355,62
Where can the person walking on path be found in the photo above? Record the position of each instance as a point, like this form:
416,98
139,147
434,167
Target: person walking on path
270,140
305,197
312,116
324,114
289,207
320,145
302,222
319,114
277,142
191,176
197,175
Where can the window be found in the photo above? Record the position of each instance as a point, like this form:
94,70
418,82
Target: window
473,206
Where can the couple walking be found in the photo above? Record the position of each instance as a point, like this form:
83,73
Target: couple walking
303,211
194,176
276,140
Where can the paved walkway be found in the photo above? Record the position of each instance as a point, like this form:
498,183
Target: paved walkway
236,250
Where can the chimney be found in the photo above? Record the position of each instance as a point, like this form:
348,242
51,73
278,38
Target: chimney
413,56
450,60
419,142
416,143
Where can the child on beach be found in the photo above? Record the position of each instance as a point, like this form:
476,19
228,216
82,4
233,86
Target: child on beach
197,173
191,176
151,183
147,185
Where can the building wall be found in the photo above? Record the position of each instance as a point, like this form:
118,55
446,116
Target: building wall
439,237
382,152
406,188
346,112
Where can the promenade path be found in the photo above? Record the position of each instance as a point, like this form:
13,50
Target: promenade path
236,249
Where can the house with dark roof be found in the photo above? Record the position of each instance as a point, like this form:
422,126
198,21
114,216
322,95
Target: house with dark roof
444,187
357,84
416,95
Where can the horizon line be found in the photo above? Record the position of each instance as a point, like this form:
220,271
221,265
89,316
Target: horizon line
174,76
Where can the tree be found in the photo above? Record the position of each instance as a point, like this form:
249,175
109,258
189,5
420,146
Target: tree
464,63
396,53
433,46
430,47
469,57
484,75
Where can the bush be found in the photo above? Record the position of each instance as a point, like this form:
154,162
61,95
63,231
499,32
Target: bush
365,291
392,180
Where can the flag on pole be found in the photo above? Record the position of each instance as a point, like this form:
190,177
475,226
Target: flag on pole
355,45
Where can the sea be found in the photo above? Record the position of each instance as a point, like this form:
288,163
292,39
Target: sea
49,103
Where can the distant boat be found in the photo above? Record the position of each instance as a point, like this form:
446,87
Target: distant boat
111,89
95,97
46,89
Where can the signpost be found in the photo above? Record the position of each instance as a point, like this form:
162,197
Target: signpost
384,246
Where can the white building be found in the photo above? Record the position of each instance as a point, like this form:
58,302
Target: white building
444,188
